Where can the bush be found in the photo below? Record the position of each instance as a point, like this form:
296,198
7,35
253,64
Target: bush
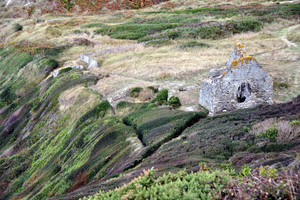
65,70
135,92
295,123
174,102
271,133
162,97
18,27
243,25
133,31
199,185
92,25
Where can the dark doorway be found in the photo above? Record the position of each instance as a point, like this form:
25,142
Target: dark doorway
244,91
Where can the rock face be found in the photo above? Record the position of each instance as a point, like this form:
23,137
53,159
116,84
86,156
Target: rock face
243,83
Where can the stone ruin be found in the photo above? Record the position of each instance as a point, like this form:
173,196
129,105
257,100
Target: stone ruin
243,83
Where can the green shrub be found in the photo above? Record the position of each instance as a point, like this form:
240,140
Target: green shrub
65,70
271,133
174,102
162,97
246,170
18,27
67,4
243,25
154,89
133,31
152,105
199,185
92,25
295,123
135,92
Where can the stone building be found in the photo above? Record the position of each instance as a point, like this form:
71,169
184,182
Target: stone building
243,83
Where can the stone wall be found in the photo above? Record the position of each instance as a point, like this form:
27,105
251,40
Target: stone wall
242,84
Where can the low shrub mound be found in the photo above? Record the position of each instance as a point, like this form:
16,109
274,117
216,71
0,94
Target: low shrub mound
174,102
161,97
260,183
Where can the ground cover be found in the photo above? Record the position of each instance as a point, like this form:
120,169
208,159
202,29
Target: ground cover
67,137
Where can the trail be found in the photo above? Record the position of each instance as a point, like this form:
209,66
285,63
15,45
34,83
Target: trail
282,34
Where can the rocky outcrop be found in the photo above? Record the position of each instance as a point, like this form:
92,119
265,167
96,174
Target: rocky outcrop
243,83
17,2
92,63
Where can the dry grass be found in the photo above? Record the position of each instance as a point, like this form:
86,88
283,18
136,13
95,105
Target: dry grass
182,4
261,127
75,101
286,131
146,95
115,87
294,34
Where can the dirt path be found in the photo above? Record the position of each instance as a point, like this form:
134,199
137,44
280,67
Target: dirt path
282,34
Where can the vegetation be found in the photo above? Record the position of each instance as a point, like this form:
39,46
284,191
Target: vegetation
208,184
174,102
161,97
191,26
83,131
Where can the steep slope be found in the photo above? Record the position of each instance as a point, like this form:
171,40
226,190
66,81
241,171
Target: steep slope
62,139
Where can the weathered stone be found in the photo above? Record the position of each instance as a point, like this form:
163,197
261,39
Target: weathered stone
242,84
92,63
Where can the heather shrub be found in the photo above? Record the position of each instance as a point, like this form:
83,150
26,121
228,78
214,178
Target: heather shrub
271,133
174,102
204,184
161,97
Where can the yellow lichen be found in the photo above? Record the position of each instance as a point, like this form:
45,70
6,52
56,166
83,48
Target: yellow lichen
235,63
239,45
246,59
240,48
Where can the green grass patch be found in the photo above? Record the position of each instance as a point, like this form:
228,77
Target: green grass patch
92,25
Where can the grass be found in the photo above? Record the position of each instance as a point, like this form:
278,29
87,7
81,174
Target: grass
293,35
92,25
66,137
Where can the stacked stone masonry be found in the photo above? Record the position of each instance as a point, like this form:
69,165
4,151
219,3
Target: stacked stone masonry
243,83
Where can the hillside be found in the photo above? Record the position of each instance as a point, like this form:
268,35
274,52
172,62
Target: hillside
69,130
